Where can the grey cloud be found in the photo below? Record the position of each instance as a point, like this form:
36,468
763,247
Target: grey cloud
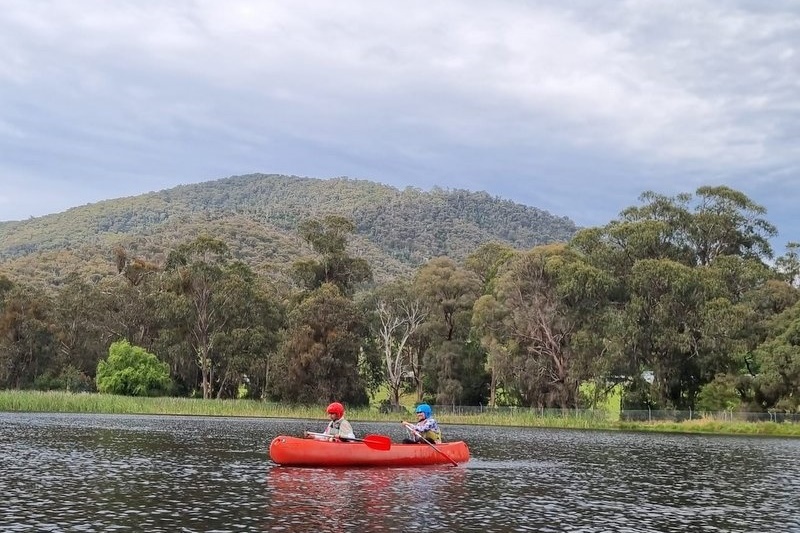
574,107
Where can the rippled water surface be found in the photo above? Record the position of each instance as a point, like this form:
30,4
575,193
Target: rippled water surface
145,473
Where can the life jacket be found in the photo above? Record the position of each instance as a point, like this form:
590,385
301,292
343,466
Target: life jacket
333,427
434,436
433,433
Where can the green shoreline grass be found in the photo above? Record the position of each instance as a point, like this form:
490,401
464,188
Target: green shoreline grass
65,402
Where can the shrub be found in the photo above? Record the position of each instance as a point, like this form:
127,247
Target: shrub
69,379
719,395
131,371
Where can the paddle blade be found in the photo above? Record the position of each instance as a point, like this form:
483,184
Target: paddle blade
377,442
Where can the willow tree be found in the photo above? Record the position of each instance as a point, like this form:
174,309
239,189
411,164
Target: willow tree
132,371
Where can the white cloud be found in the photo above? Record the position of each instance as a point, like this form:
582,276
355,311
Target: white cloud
495,94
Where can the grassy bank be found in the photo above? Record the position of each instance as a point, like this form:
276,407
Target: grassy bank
64,402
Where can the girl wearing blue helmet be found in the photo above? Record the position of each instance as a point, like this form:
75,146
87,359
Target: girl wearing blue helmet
426,427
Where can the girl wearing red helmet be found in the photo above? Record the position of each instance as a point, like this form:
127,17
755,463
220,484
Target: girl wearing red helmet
338,428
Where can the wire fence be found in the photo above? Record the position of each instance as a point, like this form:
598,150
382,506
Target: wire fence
647,415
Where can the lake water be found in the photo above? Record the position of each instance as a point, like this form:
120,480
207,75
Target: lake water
148,473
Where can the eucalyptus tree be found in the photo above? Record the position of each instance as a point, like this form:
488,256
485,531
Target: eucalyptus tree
325,344
399,315
666,304
588,296
133,302
684,268
5,285
769,378
448,292
540,304
210,294
770,299
246,346
788,265
725,222
777,383
488,319
27,344
80,314
328,237
716,221
488,262
318,361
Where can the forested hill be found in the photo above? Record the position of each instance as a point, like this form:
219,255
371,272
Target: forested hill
258,215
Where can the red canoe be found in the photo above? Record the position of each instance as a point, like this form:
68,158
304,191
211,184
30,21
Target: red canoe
293,451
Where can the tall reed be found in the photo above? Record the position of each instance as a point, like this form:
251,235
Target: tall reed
65,402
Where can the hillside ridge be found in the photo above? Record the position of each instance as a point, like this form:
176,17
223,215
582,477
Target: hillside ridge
257,214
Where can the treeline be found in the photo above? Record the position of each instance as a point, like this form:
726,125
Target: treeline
678,302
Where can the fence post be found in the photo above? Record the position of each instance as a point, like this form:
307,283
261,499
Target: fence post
649,414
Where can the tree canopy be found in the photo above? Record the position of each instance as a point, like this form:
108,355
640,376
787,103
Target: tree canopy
678,303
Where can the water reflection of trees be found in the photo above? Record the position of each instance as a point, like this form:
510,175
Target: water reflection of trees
370,499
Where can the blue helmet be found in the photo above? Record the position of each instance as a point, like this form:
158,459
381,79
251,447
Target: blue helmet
425,409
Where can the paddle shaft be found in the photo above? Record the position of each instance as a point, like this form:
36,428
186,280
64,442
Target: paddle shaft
429,443
376,442
313,434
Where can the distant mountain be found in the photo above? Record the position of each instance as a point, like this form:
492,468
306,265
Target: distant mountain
257,215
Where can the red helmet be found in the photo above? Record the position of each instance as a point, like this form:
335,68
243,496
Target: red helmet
336,409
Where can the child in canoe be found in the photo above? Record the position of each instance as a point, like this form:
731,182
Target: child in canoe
338,427
426,427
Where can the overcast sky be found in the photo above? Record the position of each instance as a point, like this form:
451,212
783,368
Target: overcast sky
576,107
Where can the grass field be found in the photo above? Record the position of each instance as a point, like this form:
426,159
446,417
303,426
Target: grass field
64,402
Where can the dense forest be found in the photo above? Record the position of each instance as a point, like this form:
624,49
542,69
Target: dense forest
307,291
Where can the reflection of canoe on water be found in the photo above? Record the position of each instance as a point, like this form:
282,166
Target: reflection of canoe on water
341,499
294,451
